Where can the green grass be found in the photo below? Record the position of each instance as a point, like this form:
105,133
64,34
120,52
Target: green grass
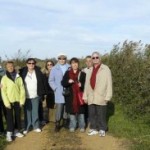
2,142
136,132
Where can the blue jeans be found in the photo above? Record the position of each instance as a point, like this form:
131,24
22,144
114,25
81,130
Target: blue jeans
31,113
74,118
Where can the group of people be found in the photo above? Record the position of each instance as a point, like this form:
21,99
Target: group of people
80,96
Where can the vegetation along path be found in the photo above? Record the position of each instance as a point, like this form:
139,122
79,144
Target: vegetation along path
49,140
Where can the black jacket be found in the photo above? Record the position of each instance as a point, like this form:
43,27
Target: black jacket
69,99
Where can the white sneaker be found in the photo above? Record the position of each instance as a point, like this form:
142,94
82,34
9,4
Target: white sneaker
71,129
102,133
18,134
8,136
90,130
25,132
82,130
38,130
94,132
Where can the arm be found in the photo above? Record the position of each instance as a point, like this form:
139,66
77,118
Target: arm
65,80
4,93
82,80
86,88
109,86
22,93
51,80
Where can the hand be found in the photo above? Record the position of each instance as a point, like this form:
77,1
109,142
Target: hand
79,84
71,81
9,107
85,100
21,105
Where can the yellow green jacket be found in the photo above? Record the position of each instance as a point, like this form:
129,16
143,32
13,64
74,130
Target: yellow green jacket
12,91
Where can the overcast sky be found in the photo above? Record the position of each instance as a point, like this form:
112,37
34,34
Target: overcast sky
75,27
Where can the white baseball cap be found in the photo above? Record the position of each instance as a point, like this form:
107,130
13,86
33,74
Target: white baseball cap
61,54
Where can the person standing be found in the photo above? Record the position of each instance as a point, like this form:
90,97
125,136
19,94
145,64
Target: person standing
50,99
13,95
88,62
74,79
2,107
97,93
55,79
35,89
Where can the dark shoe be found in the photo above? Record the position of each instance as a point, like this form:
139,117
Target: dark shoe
57,126
66,123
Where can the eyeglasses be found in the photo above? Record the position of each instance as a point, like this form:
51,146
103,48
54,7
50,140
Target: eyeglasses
95,57
62,58
31,63
49,64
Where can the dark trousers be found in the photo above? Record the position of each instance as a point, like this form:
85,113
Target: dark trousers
13,115
97,117
41,118
2,112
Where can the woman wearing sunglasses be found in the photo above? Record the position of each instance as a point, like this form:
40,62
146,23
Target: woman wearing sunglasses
35,89
50,99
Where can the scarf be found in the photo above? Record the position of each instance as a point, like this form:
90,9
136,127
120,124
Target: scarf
75,88
93,76
11,75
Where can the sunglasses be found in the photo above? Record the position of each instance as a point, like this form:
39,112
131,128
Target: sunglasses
31,63
49,64
62,58
95,57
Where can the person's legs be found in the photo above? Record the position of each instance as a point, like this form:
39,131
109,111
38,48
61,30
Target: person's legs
58,115
73,122
3,109
92,116
101,119
35,115
17,111
40,110
81,122
59,111
28,117
10,123
1,119
93,120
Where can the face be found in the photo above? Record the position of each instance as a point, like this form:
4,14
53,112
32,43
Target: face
88,62
10,67
49,65
95,59
62,60
31,65
74,65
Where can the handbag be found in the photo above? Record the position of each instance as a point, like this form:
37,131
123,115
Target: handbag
66,92
80,98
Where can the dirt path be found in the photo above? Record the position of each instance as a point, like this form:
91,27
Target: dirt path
48,140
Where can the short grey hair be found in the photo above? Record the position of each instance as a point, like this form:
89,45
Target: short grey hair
96,52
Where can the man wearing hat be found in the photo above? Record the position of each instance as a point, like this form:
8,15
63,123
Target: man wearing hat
55,79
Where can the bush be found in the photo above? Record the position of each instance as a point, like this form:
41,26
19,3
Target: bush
130,66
